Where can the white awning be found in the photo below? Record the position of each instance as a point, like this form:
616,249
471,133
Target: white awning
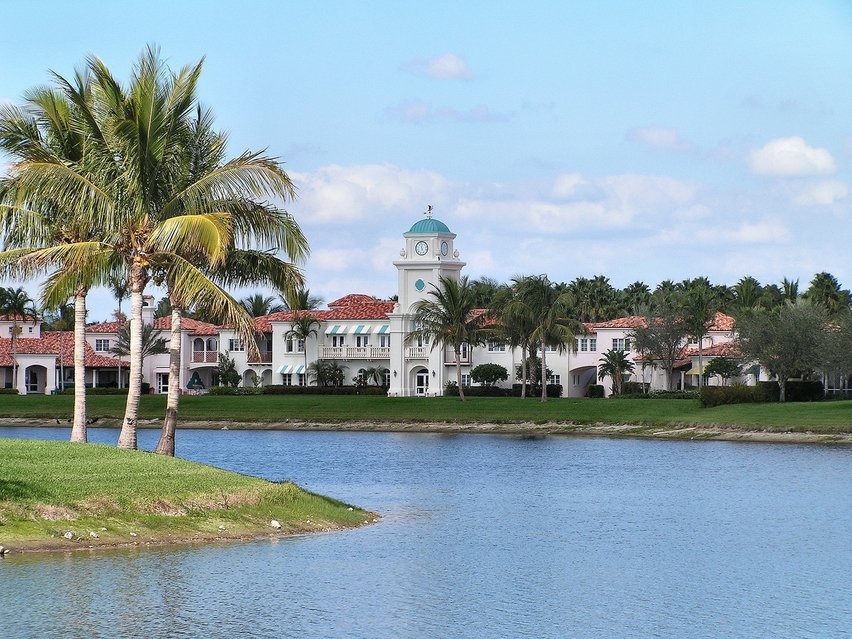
336,329
300,370
285,370
384,329
362,329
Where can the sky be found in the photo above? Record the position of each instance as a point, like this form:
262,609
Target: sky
640,141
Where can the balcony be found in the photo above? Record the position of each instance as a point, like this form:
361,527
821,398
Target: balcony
265,357
354,352
205,357
417,352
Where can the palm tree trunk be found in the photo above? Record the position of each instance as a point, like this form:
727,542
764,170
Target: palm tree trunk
523,371
166,445
457,352
78,429
543,373
700,366
127,437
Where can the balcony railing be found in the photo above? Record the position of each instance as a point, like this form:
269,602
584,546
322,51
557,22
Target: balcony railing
417,352
205,357
265,357
354,352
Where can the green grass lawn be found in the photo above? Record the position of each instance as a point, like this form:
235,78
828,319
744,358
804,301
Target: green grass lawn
49,488
835,416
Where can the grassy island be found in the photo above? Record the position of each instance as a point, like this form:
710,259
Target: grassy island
104,496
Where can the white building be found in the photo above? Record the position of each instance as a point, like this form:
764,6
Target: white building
358,331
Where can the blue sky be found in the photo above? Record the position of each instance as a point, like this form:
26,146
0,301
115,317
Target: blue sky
641,141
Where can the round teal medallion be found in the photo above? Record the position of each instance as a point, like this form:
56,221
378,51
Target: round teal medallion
419,285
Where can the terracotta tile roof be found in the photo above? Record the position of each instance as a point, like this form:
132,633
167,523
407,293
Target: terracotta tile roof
355,299
16,318
264,324
727,349
722,322
192,326
631,321
354,307
104,327
56,343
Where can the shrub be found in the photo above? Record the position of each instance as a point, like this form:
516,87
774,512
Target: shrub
802,391
235,390
595,390
8,391
718,395
98,390
635,388
489,374
278,389
476,391
674,394
767,392
553,390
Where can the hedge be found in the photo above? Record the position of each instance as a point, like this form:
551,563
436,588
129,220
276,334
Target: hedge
595,390
477,391
764,392
278,389
553,390
8,391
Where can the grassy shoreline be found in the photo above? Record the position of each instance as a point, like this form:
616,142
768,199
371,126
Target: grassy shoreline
807,422
62,496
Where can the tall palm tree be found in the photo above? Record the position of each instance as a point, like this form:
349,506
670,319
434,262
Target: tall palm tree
446,317
46,136
699,304
152,209
635,296
615,364
790,290
825,290
153,343
747,293
515,324
552,313
302,326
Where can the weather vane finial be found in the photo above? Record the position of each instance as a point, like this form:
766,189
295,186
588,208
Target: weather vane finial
428,212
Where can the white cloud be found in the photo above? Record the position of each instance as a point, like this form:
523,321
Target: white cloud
334,259
448,66
658,138
765,232
335,194
821,193
417,111
791,157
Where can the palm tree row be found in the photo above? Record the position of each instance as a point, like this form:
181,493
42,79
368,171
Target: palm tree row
133,184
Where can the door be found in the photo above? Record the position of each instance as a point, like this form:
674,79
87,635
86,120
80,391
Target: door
162,382
421,383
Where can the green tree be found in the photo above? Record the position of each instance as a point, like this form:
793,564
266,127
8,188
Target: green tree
724,367
18,307
45,137
550,311
489,374
327,372
515,324
227,370
303,326
446,318
299,298
153,343
375,375
259,305
699,304
825,290
748,293
615,364
784,341
661,336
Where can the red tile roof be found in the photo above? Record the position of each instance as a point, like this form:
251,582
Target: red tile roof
56,343
354,307
631,321
193,326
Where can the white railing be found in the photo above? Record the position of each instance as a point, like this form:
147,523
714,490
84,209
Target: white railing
417,352
354,352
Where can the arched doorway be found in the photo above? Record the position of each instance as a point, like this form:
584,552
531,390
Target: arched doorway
421,382
249,378
35,378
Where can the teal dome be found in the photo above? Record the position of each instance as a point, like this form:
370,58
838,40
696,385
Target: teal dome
429,226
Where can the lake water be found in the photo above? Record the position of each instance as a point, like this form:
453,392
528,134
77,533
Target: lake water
482,537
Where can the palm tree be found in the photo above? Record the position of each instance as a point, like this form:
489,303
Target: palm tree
550,311
258,305
699,304
825,290
515,324
635,296
615,364
300,299
302,326
446,317
375,374
17,306
48,135
152,342
790,290
747,293
158,214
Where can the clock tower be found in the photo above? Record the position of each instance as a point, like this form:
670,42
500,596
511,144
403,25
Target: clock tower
428,255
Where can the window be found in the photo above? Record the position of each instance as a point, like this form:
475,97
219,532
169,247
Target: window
593,344
362,340
465,380
582,344
387,377
576,379
302,379
551,348
338,341
554,379
384,341
495,346
288,379
102,345
360,376
29,329
236,345
289,345
620,344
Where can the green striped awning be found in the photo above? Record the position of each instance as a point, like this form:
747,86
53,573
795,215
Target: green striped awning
384,329
336,329
285,370
362,329
300,370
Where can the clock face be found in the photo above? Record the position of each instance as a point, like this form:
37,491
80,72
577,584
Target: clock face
445,248
421,247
